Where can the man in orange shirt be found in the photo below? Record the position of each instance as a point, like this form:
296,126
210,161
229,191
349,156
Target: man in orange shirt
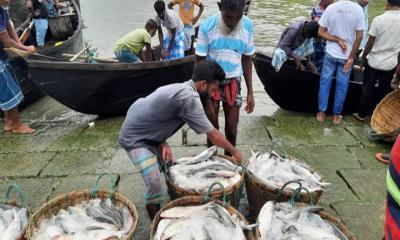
186,13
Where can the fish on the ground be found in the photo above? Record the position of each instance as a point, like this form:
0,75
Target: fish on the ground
200,172
13,222
94,220
208,221
283,221
275,170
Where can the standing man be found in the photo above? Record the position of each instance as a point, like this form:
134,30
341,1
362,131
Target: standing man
342,25
317,57
145,130
129,47
364,5
186,12
227,38
10,92
174,43
380,58
40,15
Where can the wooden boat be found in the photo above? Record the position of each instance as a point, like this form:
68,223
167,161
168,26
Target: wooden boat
105,89
72,44
297,90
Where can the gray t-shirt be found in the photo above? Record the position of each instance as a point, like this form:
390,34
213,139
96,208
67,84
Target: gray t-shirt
150,121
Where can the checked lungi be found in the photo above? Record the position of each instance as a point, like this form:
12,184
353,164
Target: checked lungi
178,48
146,160
10,91
392,221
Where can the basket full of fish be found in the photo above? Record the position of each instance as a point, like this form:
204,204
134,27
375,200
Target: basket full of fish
198,217
13,216
88,214
299,221
270,176
192,176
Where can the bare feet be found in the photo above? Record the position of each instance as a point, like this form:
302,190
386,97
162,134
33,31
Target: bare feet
337,119
21,129
320,116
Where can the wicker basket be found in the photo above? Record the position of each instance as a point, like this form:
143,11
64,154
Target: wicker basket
324,215
233,193
385,120
52,207
258,193
195,201
15,203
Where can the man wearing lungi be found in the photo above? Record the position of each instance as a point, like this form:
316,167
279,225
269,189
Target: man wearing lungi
10,92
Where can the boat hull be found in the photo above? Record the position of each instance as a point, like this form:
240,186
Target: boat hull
297,90
106,89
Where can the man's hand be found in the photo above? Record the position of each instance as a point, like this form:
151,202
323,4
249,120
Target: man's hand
31,49
237,155
194,21
166,152
299,66
348,65
164,54
250,103
312,68
342,45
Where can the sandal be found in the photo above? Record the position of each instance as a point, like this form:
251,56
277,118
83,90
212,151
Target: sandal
383,158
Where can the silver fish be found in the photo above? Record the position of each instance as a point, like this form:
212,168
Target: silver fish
203,156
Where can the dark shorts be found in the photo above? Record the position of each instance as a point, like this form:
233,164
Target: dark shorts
10,91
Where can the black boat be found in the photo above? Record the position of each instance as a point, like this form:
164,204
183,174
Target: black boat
72,44
296,90
105,89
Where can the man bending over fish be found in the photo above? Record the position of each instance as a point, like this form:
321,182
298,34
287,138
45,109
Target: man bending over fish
150,121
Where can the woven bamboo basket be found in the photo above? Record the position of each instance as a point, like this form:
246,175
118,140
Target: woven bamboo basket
233,193
258,192
13,202
324,215
195,201
52,207
385,120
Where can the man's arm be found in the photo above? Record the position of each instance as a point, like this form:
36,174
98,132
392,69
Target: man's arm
201,9
148,54
349,63
220,141
11,32
323,33
367,49
160,36
8,42
248,76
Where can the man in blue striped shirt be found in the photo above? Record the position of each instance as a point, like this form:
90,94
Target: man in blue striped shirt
227,38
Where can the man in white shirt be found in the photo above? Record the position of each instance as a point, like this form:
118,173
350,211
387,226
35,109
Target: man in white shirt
174,43
341,25
380,58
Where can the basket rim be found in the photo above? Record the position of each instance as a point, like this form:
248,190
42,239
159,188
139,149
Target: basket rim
252,178
215,194
82,194
193,201
392,95
326,216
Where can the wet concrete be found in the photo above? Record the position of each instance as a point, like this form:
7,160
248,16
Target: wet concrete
66,154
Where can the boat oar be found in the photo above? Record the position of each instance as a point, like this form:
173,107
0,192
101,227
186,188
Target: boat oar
25,54
109,60
78,54
24,36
